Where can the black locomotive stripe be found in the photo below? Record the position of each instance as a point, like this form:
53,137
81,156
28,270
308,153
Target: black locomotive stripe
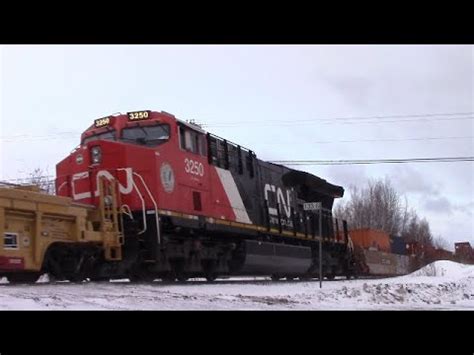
275,231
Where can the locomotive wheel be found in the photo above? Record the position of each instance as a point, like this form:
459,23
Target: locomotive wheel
77,278
275,277
23,278
141,278
209,268
211,277
168,277
182,277
84,269
141,275
99,279
290,278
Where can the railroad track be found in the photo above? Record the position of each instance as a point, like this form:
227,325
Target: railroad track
190,282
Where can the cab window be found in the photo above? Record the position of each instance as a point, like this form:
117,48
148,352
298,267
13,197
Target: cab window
146,135
191,141
109,135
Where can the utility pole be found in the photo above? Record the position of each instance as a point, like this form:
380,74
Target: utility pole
317,206
320,247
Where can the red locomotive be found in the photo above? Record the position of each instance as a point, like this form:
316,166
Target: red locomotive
194,204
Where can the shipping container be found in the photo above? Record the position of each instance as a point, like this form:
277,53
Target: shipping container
387,264
371,239
398,245
464,252
463,249
443,254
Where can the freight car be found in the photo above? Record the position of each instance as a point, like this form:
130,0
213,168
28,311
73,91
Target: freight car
55,235
378,254
192,204
464,253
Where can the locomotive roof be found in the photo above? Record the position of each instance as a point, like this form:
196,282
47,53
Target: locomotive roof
312,182
192,126
291,178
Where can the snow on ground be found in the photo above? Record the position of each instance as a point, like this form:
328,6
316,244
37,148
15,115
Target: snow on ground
441,285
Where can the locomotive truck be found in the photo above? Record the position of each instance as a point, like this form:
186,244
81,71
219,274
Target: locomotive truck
146,195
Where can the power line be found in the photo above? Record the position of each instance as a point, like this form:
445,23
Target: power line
393,116
377,117
313,142
28,179
397,140
363,117
314,162
292,123
374,161
372,119
372,140
279,143
37,139
40,136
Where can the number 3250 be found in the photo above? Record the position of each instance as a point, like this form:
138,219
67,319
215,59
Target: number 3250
193,167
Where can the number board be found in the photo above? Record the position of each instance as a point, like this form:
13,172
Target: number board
101,122
138,115
312,206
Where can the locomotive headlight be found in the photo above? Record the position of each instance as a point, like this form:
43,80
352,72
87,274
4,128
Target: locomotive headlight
96,155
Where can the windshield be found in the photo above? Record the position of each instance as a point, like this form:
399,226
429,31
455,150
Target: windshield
110,135
148,135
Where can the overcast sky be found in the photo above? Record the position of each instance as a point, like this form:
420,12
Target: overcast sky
272,99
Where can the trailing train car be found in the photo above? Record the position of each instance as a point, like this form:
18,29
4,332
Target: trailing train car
372,239
378,254
55,235
194,204
464,253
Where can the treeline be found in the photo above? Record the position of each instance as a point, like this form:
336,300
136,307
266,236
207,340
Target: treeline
379,206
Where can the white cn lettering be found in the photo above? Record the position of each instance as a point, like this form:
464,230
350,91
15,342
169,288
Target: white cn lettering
125,190
286,204
271,210
280,199
85,175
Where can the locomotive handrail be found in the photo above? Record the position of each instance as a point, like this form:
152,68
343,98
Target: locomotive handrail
124,207
139,193
157,219
61,186
230,142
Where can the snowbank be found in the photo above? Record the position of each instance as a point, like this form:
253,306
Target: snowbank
441,285
445,268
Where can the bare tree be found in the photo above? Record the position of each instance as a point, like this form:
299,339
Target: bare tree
40,178
418,230
405,216
441,243
378,205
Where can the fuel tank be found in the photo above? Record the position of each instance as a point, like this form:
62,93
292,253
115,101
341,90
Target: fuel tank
275,258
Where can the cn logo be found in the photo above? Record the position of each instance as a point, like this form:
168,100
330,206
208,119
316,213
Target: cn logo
280,198
124,189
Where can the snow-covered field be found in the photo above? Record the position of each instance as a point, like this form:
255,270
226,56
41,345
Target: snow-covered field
441,285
